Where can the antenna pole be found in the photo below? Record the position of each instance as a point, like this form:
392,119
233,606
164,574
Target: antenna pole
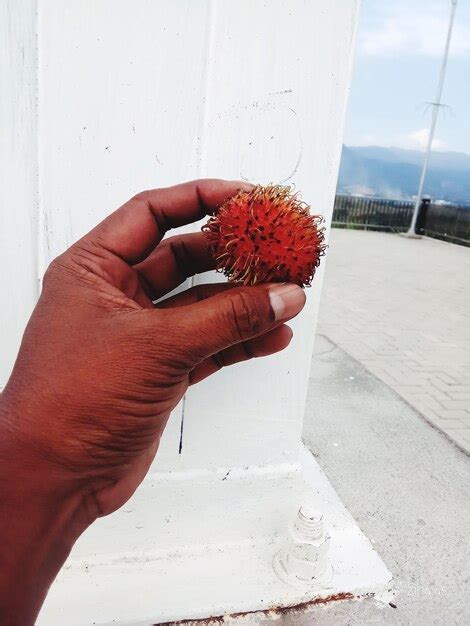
435,110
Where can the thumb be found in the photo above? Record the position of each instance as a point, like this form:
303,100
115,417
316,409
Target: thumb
235,315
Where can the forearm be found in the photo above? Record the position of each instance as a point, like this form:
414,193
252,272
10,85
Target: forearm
39,523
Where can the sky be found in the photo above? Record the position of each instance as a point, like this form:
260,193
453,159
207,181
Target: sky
399,51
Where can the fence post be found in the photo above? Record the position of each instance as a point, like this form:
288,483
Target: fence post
422,213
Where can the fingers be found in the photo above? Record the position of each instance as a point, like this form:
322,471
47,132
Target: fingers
134,230
173,261
234,316
270,343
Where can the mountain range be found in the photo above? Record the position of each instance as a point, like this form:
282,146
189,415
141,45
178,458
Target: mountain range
394,173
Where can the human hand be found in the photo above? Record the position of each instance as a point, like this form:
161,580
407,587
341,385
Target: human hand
101,367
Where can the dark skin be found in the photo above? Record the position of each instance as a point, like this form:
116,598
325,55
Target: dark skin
100,369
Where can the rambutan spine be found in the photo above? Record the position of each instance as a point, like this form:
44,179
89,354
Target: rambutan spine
266,235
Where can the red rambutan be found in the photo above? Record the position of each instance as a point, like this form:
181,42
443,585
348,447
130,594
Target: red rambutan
266,235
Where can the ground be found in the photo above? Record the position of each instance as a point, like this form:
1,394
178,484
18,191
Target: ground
406,485
401,307
388,419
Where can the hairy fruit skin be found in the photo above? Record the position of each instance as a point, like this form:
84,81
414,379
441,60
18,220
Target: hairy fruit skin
266,235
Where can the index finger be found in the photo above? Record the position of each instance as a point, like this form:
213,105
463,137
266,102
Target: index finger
135,229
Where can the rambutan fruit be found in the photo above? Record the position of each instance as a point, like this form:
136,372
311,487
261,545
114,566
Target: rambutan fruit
266,235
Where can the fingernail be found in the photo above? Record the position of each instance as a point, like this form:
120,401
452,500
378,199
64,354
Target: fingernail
286,300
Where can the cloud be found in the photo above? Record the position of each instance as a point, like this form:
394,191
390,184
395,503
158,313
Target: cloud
390,29
366,139
418,140
414,140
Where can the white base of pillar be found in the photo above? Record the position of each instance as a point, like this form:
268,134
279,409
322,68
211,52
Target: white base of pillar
124,581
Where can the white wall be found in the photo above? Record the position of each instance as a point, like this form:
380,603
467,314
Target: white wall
117,96
276,81
18,175
135,95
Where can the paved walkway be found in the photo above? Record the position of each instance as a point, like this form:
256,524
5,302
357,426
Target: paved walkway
404,484
401,307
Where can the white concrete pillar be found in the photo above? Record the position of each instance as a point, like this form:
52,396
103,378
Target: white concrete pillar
133,94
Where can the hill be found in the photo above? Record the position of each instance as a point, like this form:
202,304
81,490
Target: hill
395,172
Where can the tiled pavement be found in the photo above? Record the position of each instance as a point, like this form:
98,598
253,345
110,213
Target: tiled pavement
401,307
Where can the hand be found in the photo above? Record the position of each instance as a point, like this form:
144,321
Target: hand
101,367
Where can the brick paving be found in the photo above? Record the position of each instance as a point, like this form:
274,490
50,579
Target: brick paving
401,307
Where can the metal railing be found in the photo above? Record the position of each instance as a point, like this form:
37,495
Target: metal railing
448,222
443,221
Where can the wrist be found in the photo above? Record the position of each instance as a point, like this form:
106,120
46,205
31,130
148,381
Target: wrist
41,517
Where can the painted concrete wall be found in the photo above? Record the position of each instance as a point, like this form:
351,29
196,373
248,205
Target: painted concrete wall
18,174
117,96
106,98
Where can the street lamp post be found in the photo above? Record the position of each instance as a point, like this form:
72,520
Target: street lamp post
435,111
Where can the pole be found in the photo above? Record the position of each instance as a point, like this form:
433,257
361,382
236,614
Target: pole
435,110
